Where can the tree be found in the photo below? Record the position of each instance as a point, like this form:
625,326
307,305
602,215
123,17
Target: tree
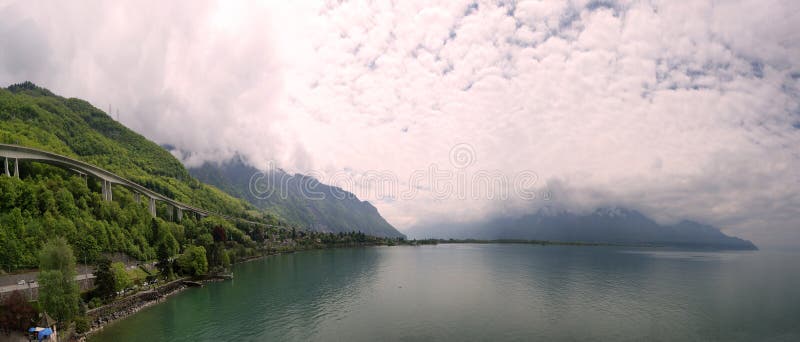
193,260
11,225
164,265
219,234
154,230
205,239
16,312
88,249
166,247
121,278
66,203
58,291
217,256
104,281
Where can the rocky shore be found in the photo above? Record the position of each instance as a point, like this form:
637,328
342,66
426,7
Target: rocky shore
119,309
125,307
122,308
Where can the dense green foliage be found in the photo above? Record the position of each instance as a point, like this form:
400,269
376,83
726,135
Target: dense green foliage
58,292
121,278
82,324
49,201
193,261
47,205
104,281
34,117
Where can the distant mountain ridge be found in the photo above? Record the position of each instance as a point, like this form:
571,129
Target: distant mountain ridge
297,198
604,225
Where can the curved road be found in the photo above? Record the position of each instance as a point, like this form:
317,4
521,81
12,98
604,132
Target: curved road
16,153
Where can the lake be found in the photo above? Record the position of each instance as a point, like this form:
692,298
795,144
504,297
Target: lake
486,292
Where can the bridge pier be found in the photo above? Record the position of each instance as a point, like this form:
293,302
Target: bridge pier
152,207
84,177
137,197
18,153
107,194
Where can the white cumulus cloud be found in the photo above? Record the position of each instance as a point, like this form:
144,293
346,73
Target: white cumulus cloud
678,109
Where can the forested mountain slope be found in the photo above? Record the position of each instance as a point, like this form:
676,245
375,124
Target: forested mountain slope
299,199
50,201
34,117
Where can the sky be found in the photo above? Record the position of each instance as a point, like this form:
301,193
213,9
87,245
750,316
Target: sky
455,110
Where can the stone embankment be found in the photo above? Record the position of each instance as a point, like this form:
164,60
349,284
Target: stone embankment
125,307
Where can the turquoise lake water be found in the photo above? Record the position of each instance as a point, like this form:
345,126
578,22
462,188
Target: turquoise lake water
491,292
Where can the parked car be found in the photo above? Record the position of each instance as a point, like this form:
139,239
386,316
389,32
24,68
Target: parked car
21,282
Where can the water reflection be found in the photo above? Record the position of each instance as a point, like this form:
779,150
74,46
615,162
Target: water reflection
487,292
286,296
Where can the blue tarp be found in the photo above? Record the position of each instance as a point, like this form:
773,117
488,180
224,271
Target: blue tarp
41,334
45,333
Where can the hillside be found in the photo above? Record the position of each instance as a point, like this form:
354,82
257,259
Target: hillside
49,201
34,117
299,199
604,225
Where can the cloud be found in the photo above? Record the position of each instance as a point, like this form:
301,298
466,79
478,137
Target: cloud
681,110
180,74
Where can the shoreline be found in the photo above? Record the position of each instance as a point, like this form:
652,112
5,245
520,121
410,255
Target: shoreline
119,310
107,314
125,307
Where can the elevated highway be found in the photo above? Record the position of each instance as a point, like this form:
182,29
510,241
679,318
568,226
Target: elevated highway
15,153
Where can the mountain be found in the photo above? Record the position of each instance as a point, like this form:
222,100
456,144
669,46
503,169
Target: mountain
604,225
297,198
47,201
32,116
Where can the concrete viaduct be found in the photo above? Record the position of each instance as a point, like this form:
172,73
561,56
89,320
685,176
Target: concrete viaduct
108,178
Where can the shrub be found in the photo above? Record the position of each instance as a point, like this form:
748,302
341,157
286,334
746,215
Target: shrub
16,312
82,324
121,278
193,261
95,302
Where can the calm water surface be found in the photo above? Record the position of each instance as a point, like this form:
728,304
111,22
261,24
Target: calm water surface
486,293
